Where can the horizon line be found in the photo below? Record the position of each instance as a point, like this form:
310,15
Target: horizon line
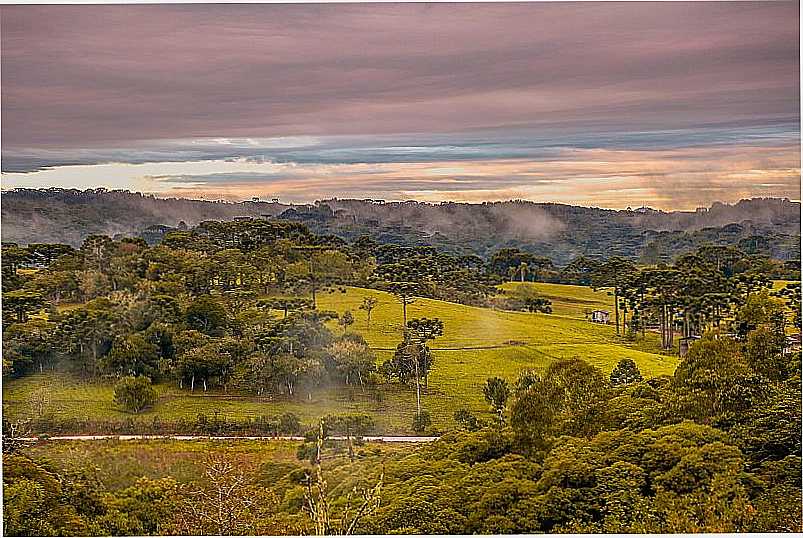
384,201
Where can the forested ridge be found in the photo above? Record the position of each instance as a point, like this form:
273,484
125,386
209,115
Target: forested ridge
560,231
235,307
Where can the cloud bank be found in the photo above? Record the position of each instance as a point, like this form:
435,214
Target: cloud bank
609,104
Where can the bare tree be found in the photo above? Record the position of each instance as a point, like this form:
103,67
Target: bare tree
359,503
368,304
226,504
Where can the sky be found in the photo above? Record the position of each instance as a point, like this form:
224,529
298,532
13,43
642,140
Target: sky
672,105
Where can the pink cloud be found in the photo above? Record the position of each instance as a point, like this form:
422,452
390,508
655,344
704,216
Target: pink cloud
88,75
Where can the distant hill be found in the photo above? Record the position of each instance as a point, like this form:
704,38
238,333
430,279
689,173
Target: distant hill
70,215
558,231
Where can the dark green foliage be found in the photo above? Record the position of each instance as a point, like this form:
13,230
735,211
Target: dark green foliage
539,304
791,295
346,320
208,315
625,372
421,421
714,380
285,304
134,394
772,430
570,399
462,228
21,303
28,346
514,264
467,420
352,425
225,305
134,355
764,352
424,329
496,394
289,423
410,272
412,356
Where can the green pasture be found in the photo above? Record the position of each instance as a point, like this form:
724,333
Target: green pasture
477,343
567,300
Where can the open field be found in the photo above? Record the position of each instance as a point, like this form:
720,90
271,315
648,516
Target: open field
477,343
118,464
567,300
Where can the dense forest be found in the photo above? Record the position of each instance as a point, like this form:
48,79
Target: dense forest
234,306
562,232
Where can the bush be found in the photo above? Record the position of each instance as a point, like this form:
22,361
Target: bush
207,315
354,424
421,421
625,372
289,423
467,420
134,394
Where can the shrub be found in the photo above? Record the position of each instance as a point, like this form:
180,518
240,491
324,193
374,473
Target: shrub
466,419
289,423
421,421
625,372
134,394
353,424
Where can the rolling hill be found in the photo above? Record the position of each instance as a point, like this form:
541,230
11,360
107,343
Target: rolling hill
477,343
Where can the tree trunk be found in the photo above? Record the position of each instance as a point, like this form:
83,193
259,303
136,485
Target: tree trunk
671,328
616,307
192,383
642,317
417,387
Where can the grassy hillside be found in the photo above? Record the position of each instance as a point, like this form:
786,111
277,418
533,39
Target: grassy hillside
477,343
571,301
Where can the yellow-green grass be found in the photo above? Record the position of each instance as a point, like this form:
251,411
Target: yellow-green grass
464,326
477,343
779,285
73,397
567,300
